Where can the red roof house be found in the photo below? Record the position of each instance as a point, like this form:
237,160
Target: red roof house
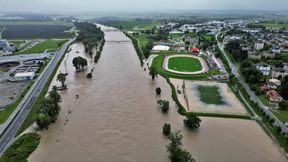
196,50
274,96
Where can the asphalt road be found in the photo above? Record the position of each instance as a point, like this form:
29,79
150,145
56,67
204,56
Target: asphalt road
7,136
253,97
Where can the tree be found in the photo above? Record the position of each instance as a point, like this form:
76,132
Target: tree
166,130
164,104
283,105
42,121
50,108
61,77
54,94
284,88
192,122
153,72
177,154
158,90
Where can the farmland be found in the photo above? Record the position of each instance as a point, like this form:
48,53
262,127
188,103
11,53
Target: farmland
35,29
131,24
272,25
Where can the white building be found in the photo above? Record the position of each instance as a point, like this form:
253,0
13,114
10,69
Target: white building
24,76
160,48
259,45
264,68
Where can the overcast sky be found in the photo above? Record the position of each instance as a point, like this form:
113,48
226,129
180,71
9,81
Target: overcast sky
138,5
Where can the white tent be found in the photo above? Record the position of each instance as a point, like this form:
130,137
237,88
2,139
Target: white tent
161,48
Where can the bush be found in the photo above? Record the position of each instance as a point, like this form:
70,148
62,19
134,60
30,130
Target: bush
164,105
20,150
278,129
89,75
166,129
158,90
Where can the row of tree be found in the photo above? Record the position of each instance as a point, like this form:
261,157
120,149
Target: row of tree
98,53
89,34
49,109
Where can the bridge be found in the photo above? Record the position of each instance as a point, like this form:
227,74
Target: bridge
110,30
120,41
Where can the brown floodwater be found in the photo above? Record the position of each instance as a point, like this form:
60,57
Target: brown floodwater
116,118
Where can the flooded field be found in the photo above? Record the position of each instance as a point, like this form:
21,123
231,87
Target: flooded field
116,118
231,103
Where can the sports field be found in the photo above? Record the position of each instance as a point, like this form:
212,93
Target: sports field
184,64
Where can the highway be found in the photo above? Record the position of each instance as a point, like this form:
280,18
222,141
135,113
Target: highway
252,95
14,122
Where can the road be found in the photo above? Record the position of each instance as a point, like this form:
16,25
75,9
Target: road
253,97
2,32
16,119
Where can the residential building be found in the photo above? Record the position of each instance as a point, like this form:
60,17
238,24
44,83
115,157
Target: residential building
274,96
264,68
259,45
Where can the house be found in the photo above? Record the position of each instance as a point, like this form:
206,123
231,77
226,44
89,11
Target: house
265,88
24,76
274,96
279,73
192,40
258,45
254,55
264,68
195,50
285,66
275,81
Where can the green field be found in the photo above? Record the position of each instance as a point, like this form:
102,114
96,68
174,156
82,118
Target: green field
180,35
147,26
142,38
184,64
41,47
264,100
21,149
210,95
281,115
130,24
271,25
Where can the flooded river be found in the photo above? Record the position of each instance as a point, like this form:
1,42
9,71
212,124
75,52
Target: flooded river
116,118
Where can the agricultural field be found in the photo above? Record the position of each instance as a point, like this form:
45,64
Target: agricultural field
131,24
147,26
142,38
180,35
184,64
41,47
35,29
271,25
210,95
